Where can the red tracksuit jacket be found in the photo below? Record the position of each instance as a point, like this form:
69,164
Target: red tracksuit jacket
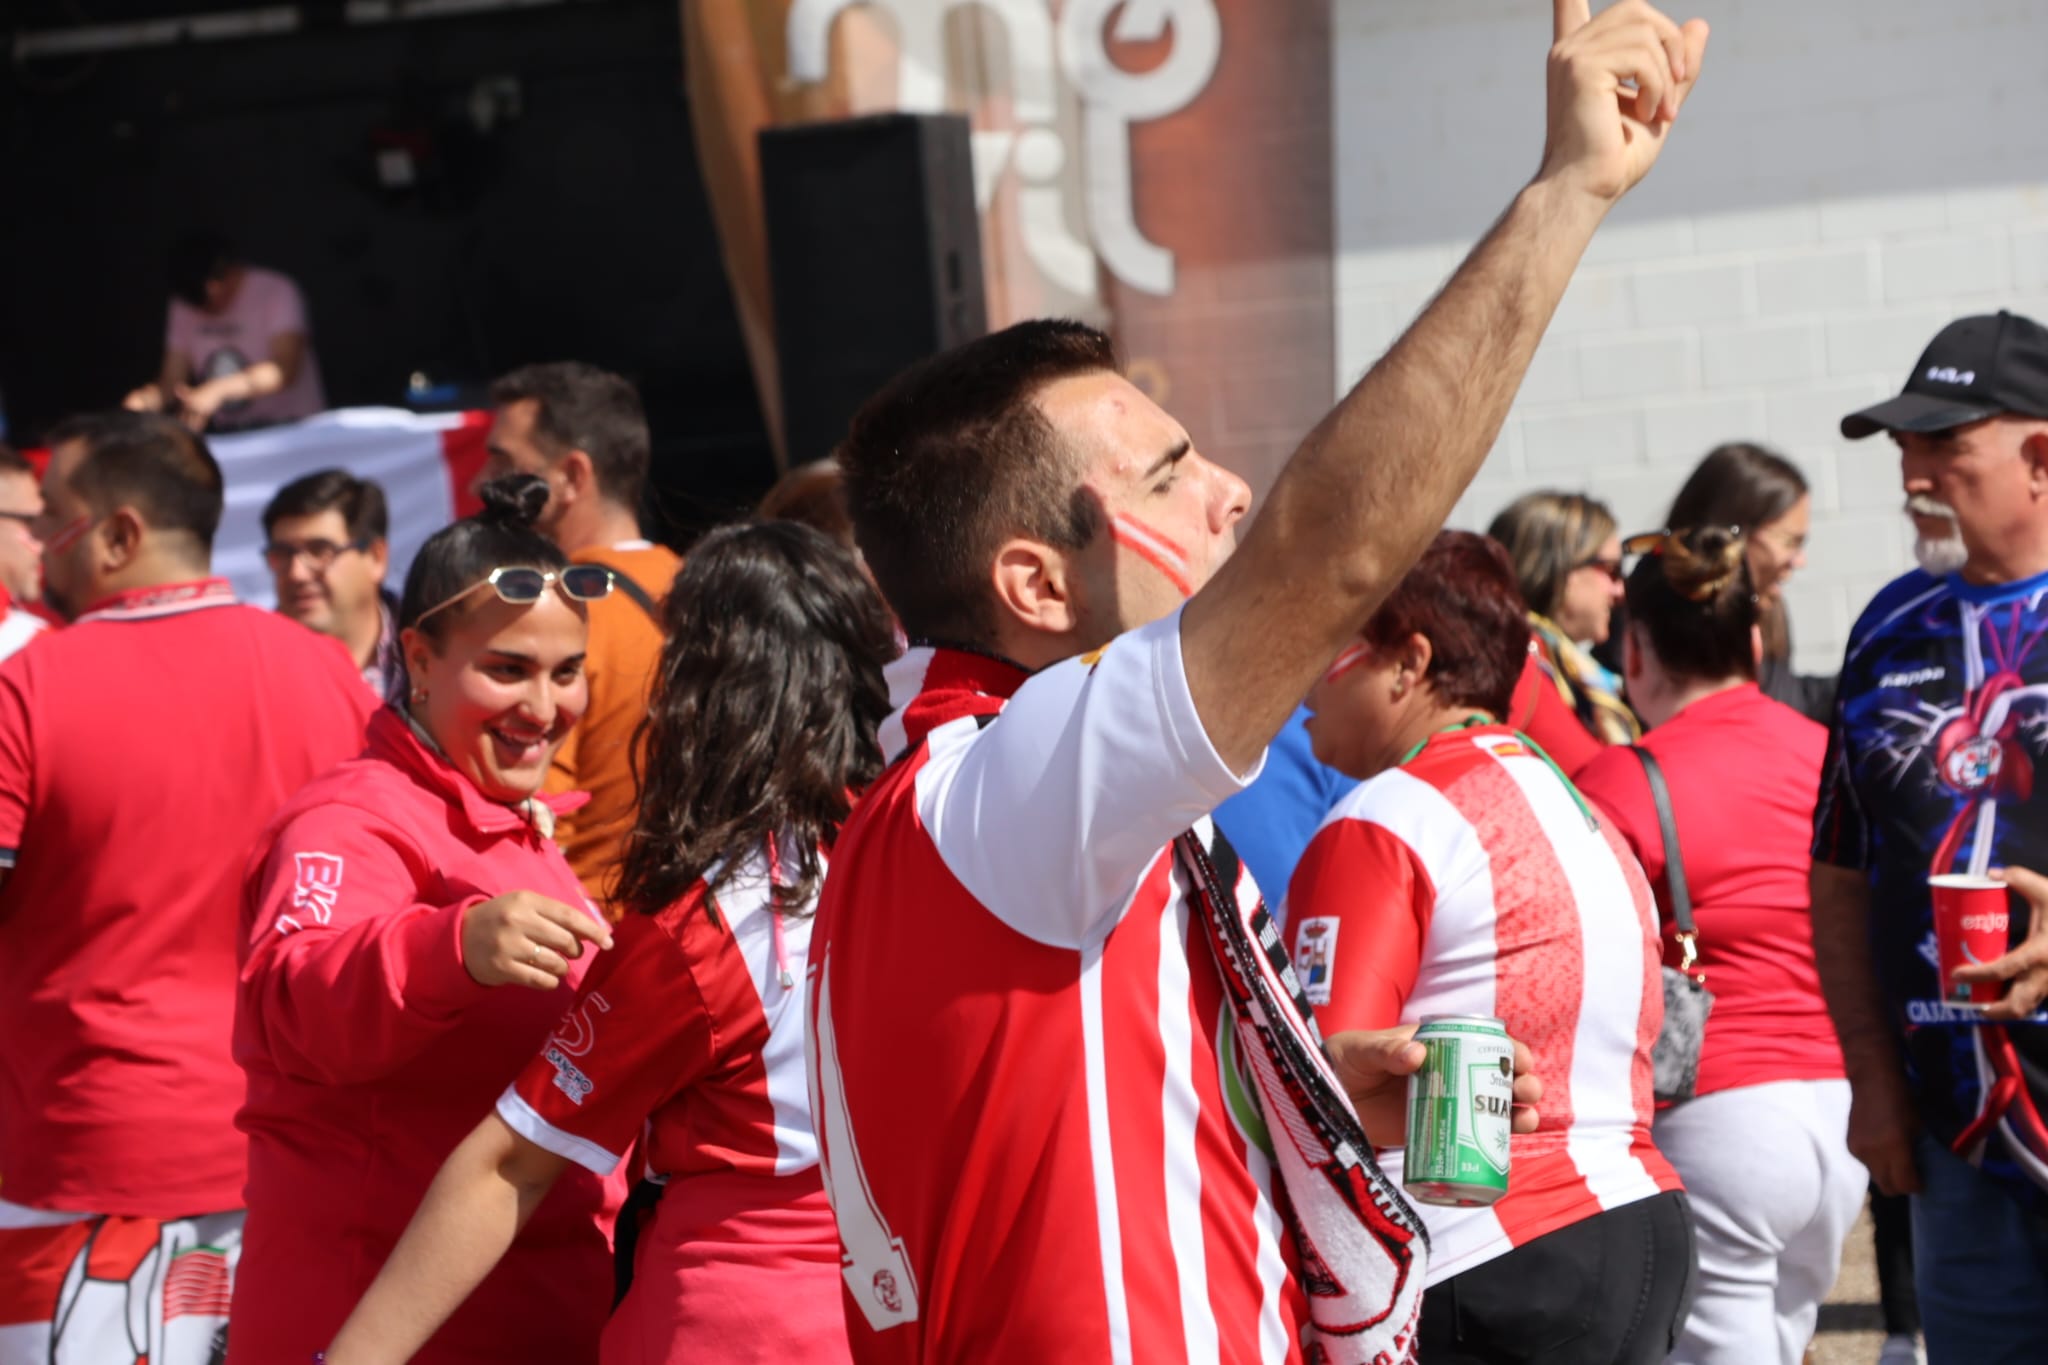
371,1052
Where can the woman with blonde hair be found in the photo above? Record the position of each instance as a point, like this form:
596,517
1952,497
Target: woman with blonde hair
1567,561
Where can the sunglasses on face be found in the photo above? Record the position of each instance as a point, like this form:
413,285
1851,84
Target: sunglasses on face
1610,567
318,554
522,587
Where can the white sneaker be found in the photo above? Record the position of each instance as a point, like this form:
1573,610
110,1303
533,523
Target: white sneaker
1902,1350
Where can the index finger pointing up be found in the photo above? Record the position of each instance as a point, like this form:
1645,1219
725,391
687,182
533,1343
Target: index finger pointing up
1568,17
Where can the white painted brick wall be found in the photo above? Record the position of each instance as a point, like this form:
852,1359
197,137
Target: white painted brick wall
1816,219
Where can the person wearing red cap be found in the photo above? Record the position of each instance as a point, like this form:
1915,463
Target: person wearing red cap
1940,724
141,750
413,933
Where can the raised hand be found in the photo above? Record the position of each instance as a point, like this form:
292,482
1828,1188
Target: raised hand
523,938
1616,82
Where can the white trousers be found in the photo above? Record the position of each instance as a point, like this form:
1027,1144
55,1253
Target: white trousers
1774,1193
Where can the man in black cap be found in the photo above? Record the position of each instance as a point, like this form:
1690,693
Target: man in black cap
1939,726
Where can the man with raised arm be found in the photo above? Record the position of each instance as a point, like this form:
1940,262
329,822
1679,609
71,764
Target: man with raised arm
1070,1103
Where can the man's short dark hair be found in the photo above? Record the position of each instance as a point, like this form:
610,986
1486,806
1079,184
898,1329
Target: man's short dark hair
584,408
13,461
360,502
952,458
196,259
149,462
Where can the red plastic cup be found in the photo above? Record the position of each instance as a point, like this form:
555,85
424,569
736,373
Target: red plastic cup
1972,919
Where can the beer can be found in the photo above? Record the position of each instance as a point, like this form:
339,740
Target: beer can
1460,1112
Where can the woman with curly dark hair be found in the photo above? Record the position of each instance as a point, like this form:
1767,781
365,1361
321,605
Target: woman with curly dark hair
688,1035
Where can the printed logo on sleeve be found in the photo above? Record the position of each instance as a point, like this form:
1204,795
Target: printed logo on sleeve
1313,954
569,1078
574,1037
317,887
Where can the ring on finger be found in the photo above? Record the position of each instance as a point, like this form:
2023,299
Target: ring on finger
533,958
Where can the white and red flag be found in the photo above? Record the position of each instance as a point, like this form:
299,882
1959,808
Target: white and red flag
423,461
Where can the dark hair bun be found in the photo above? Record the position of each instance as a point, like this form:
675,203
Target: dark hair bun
1699,564
515,500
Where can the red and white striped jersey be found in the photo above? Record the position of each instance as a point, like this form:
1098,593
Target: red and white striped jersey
1473,880
1033,1124
685,1029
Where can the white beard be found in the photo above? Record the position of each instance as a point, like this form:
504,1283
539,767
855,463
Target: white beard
1938,555
1941,555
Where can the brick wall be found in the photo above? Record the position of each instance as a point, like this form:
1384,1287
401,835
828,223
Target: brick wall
1851,175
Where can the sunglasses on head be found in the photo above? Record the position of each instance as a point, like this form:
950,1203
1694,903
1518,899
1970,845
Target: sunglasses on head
1657,542
522,587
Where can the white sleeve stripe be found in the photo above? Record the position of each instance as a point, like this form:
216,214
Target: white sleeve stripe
523,1119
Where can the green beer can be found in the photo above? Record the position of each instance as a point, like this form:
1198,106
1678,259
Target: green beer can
1459,1112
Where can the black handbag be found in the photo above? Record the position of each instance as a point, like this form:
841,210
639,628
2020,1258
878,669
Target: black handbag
1687,1001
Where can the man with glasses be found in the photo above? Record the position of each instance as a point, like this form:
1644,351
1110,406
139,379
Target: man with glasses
21,554
325,542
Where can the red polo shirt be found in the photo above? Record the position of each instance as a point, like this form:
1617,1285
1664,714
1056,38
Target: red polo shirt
141,751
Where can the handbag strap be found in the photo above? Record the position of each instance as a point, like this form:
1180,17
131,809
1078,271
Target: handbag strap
1674,858
641,597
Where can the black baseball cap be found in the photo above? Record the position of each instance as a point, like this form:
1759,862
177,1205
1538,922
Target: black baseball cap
1974,368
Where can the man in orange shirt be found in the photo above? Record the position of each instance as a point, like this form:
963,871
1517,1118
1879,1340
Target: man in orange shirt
582,429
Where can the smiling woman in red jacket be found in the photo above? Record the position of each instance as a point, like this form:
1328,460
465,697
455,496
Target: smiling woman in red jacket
688,1037
413,933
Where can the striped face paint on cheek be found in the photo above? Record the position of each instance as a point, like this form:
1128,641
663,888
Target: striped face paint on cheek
1352,657
69,536
1155,549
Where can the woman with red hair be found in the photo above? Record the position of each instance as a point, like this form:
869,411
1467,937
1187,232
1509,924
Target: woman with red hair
1466,876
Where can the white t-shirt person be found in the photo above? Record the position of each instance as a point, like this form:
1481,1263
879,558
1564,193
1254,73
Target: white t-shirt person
265,306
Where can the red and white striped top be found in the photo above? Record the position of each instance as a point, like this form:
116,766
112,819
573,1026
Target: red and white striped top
1473,880
1033,1124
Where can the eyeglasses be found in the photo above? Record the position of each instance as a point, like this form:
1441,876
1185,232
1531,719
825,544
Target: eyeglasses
522,587
1609,567
318,554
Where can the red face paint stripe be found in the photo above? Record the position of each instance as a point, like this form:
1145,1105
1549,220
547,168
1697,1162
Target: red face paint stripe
1352,657
67,537
1155,549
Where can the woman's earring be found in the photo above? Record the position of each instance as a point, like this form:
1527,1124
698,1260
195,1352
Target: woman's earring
419,694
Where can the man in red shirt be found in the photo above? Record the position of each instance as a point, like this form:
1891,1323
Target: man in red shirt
141,750
1060,1064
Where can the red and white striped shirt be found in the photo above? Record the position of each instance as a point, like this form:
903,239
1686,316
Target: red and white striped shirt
688,1037
1473,880
1033,1124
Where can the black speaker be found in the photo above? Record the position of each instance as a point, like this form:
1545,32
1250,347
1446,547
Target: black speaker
874,256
